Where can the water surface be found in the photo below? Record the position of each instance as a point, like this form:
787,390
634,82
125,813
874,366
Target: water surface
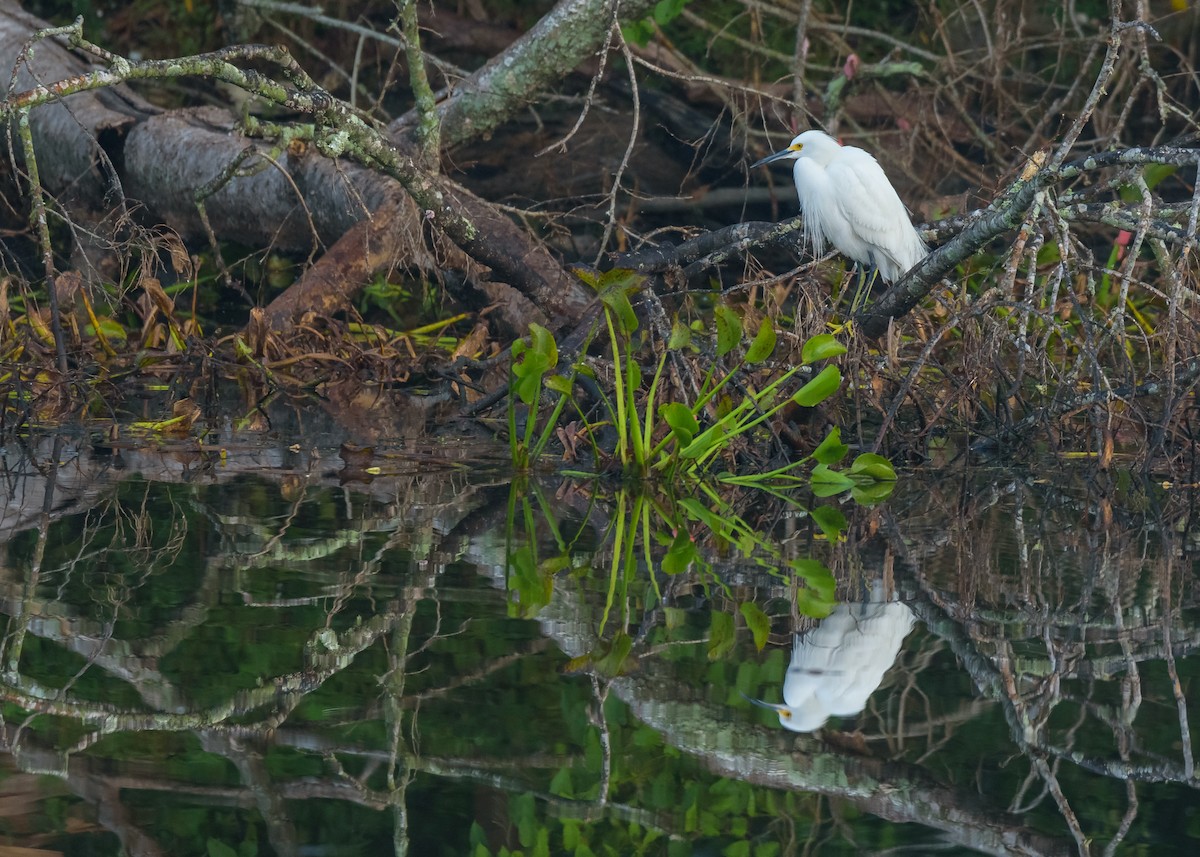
269,648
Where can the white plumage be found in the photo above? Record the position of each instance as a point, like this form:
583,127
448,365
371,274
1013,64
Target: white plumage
839,663
847,201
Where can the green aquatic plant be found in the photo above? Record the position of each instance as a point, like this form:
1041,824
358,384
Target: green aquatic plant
676,508
676,442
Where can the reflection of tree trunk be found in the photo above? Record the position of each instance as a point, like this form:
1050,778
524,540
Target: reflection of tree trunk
22,611
400,768
245,754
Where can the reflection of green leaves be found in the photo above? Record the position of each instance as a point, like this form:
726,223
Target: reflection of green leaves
720,635
831,521
680,555
216,848
817,598
808,603
699,512
816,576
560,784
532,581
828,483
611,656
874,479
757,621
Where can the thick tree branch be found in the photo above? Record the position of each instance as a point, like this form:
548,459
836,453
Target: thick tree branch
567,36
1005,214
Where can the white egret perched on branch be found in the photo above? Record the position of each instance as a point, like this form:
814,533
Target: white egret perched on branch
847,200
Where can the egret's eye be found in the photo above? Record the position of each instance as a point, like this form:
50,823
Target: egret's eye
796,147
786,714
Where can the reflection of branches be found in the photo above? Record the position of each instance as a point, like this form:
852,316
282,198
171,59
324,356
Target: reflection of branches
764,757
1060,645
464,679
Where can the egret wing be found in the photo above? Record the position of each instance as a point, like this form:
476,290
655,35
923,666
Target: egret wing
874,212
867,198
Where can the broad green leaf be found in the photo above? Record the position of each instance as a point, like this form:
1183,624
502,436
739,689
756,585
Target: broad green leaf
638,32
110,328
764,342
816,576
827,483
874,466
477,835
740,848
527,376
699,512
815,573
666,11
609,657
711,436
821,347
729,329
559,384
809,603
758,623
681,420
570,833
624,279
560,783
819,388
830,519
587,276
617,301
872,494
681,336
542,342
720,635
523,812
680,555
831,450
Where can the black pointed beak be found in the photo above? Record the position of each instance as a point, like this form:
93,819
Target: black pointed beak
778,156
760,703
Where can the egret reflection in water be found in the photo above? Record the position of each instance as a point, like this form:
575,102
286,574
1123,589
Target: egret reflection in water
837,664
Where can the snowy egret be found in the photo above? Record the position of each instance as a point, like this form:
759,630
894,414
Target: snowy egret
847,200
839,663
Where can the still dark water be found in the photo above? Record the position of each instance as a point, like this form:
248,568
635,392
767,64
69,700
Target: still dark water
222,649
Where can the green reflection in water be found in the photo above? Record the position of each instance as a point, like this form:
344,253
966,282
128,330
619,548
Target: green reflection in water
276,664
